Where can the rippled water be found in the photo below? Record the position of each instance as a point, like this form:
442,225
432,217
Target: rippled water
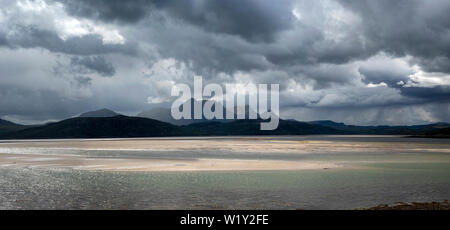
380,178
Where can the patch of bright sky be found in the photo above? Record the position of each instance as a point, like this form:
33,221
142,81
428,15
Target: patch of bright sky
424,79
67,26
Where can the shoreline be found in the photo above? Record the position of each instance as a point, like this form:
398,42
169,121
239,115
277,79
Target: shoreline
411,206
156,165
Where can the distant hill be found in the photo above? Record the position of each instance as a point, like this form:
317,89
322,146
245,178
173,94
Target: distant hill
123,126
252,127
7,126
382,130
98,127
164,114
5,123
327,123
100,113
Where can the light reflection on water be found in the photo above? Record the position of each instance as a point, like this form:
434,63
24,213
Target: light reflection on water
314,189
383,177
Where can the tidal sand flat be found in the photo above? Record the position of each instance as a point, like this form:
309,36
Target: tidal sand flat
290,172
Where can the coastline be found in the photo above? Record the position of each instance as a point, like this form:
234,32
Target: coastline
442,205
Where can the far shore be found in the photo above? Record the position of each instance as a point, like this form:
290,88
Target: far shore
444,205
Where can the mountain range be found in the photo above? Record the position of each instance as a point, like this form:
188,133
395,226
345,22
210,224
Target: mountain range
106,123
164,114
96,127
7,127
99,113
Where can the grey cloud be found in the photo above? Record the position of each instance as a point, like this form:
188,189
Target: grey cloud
32,37
82,81
376,115
128,11
254,20
407,27
429,94
36,104
3,39
417,28
301,44
313,48
326,75
191,33
95,63
434,64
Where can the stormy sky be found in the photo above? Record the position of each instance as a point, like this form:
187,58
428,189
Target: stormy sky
354,61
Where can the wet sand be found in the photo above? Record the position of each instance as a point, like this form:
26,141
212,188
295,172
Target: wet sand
240,144
215,154
154,165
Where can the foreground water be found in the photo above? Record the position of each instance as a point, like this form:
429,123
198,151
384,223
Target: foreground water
364,172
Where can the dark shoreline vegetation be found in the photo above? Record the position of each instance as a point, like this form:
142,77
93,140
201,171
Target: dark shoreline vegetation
444,205
120,126
439,133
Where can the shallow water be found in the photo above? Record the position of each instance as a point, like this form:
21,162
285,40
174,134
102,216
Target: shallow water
376,170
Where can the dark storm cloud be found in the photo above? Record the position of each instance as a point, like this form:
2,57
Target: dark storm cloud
3,40
32,37
315,48
253,20
407,27
128,11
434,64
95,63
15,101
208,55
256,21
429,94
82,81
